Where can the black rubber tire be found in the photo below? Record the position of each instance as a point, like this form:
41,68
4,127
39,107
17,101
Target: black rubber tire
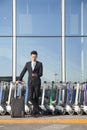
71,113
80,113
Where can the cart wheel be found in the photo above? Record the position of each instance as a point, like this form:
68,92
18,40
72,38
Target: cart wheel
4,110
3,113
71,112
27,113
80,112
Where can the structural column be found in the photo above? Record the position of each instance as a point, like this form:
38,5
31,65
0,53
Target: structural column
14,43
82,42
63,46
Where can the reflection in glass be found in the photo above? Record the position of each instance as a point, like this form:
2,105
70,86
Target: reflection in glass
76,59
39,17
76,17
5,56
5,17
49,53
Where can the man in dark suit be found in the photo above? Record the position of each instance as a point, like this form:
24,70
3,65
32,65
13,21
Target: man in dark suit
35,71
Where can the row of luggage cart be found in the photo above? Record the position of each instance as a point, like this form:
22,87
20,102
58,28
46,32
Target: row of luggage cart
66,98
56,98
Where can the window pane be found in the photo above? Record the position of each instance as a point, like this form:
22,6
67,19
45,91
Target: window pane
49,54
5,56
76,17
5,17
85,17
39,17
76,59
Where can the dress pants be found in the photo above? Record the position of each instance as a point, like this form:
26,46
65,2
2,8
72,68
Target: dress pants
34,92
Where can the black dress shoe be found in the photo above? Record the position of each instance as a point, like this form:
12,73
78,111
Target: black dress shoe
41,113
36,115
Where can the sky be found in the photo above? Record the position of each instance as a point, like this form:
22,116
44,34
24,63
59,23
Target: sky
43,18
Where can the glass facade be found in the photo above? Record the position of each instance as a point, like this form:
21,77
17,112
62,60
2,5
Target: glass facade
5,17
39,28
45,47
5,38
38,17
76,58
76,17
76,40
5,56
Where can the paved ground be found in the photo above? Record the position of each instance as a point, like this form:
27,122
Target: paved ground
42,127
44,123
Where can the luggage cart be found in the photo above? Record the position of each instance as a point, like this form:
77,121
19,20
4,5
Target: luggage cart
77,107
68,106
61,96
3,96
27,109
84,106
42,106
51,107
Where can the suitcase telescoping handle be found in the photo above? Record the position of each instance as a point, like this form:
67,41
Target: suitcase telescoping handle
15,88
18,89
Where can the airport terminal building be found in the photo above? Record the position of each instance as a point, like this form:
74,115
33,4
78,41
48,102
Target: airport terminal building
57,29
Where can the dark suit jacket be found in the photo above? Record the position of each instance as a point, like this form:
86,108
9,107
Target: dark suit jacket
38,70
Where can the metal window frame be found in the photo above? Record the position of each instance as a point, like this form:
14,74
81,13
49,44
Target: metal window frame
63,45
14,48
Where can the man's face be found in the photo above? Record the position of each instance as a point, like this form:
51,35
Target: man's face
33,57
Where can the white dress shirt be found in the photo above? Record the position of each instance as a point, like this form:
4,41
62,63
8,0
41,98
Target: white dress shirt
33,64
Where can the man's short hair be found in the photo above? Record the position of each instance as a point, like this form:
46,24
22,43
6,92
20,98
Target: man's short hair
34,52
